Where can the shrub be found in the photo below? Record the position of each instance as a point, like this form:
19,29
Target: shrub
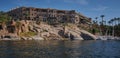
28,34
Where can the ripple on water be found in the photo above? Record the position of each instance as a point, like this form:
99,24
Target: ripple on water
60,49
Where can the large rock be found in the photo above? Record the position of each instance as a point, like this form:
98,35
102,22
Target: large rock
24,38
75,33
24,26
75,36
87,36
71,35
61,33
37,38
45,34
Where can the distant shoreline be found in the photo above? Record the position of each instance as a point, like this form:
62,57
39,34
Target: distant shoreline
98,38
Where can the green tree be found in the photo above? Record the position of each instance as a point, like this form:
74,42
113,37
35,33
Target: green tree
109,28
112,21
96,20
102,16
118,21
4,17
102,25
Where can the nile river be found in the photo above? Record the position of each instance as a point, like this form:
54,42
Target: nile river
60,49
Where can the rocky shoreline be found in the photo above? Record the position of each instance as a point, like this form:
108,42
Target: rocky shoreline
30,30
68,36
83,36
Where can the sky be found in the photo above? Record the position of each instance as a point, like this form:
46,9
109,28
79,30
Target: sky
89,8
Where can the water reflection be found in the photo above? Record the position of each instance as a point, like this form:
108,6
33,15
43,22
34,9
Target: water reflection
59,49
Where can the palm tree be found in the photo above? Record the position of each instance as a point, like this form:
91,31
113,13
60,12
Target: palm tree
109,22
100,27
96,19
102,16
118,20
115,26
112,20
94,22
115,20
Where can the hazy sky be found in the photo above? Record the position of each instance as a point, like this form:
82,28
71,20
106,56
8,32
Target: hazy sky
89,8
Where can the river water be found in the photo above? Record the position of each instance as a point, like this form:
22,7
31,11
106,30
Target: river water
60,49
